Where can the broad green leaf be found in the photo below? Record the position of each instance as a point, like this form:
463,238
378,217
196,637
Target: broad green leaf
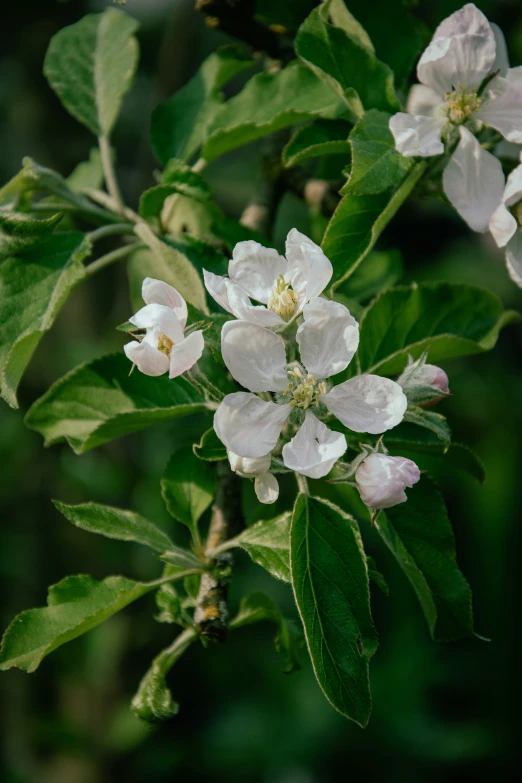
449,319
33,288
179,125
91,64
270,102
255,608
337,56
188,486
376,577
177,178
330,581
115,523
322,137
88,174
99,401
175,268
419,535
268,544
376,164
431,420
381,270
210,448
74,606
341,17
19,231
358,222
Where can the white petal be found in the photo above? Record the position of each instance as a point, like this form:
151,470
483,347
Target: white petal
157,292
367,403
248,425
381,480
216,285
267,488
501,63
473,181
503,109
514,258
249,467
467,20
147,359
160,318
464,59
242,308
256,357
255,268
315,449
309,270
422,100
417,135
185,354
328,338
502,225
513,189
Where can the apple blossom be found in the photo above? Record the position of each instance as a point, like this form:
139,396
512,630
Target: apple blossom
164,346
381,480
256,357
466,83
505,224
282,285
265,484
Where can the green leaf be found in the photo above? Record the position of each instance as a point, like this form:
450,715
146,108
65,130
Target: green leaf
343,61
179,125
376,164
449,319
270,102
376,576
257,607
382,270
74,606
99,401
91,64
210,448
431,420
188,486
321,137
419,535
32,291
268,544
330,581
115,523
88,174
181,558
177,178
19,231
173,267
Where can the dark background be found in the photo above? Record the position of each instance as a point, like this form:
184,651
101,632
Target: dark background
440,711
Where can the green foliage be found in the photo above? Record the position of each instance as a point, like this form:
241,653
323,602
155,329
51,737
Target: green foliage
88,174
188,486
91,64
330,581
419,535
179,126
431,420
321,137
210,447
268,544
100,401
376,577
33,288
381,270
177,178
19,231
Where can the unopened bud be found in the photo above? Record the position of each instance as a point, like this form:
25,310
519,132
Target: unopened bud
382,479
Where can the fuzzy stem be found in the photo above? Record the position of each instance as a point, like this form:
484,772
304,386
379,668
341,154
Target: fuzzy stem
109,258
108,231
109,173
302,484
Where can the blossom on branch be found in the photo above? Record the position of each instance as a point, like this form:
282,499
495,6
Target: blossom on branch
381,480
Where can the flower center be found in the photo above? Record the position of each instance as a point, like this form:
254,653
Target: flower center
303,389
283,299
460,104
165,344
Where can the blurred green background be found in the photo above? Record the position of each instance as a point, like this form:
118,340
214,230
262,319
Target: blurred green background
440,712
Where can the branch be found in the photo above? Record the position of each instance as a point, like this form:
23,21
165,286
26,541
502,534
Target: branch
211,613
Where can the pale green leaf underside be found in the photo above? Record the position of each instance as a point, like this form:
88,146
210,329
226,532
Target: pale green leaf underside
19,231
268,544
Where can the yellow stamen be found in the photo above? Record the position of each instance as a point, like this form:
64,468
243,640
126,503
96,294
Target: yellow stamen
165,344
283,299
460,104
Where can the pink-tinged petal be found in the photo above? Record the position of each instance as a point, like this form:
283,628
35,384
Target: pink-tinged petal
381,480
248,425
266,488
147,359
161,319
422,100
242,308
367,403
157,292
216,285
185,355
417,135
328,338
256,357
514,258
473,181
309,270
503,109
315,449
255,268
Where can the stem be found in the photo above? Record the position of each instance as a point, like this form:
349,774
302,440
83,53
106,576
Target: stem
109,258
108,231
302,484
109,173
94,213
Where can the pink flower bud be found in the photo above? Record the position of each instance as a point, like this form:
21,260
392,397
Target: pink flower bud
430,375
382,479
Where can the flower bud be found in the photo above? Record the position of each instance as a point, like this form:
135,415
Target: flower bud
430,375
382,479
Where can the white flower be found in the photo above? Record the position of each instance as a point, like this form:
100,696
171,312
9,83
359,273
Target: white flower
164,346
466,51
381,480
505,227
256,357
282,285
258,468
